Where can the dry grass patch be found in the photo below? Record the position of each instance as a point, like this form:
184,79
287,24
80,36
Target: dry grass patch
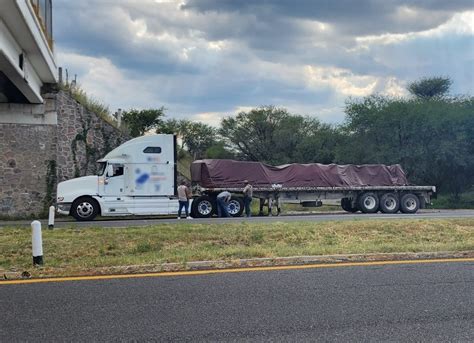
72,251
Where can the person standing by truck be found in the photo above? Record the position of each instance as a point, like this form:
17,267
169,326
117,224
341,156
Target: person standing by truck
223,199
184,194
274,199
248,194
271,199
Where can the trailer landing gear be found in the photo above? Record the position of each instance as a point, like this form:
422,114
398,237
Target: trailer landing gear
346,204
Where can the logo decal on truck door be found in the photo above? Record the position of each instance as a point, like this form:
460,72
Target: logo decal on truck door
141,179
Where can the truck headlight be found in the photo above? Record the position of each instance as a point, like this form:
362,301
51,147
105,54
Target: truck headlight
64,207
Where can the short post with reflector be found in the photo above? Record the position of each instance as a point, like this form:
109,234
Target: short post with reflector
51,217
37,243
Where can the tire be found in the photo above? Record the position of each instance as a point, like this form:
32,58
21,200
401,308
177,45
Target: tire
309,204
203,206
409,203
389,203
235,206
368,202
347,205
193,210
85,209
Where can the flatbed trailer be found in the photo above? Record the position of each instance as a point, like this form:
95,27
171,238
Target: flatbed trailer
366,199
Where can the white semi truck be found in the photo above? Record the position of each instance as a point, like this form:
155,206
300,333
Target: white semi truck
140,178
137,178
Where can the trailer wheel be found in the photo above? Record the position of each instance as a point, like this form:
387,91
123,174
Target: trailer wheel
409,203
389,203
235,206
203,207
347,205
368,202
85,209
193,210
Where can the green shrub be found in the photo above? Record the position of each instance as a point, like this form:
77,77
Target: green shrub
90,103
446,201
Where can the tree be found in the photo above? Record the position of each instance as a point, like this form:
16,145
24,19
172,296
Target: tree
432,87
170,126
197,138
273,135
219,151
430,137
194,136
141,121
252,133
319,144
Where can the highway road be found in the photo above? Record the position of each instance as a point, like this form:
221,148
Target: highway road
404,302
137,221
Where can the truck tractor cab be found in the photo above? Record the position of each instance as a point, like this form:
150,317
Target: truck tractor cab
136,178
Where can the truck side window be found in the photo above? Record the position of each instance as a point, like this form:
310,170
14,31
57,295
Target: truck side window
152,150
118,169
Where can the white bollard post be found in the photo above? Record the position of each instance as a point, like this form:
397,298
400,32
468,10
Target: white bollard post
51,217
37,243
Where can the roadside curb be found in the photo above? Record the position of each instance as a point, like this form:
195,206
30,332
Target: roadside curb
243,263
291,261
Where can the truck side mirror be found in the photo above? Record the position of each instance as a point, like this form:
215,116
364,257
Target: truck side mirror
110,170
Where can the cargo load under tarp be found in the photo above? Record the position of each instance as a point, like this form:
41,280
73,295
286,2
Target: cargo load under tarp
231,174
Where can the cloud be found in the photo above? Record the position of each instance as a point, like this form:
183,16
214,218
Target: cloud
353,18
104,81
208,58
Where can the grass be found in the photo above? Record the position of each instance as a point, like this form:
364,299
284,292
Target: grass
90,103
78,251
445,201
294,209
291,208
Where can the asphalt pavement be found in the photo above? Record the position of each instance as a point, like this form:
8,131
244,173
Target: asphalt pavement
323,216
409,302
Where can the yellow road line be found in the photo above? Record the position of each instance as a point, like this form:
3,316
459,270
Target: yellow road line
233,270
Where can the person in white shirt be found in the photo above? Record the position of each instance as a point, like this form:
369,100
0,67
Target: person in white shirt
184,194
248,194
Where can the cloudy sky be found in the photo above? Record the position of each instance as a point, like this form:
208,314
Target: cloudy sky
205,59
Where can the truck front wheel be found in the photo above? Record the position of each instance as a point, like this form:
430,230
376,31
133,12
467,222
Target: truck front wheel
85,209
368,202
409,203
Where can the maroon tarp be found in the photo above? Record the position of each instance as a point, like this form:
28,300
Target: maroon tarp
231,174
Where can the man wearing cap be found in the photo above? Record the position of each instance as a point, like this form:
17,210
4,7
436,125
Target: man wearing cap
248,193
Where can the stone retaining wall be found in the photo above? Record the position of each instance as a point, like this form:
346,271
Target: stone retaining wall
59,141
83,138
26,152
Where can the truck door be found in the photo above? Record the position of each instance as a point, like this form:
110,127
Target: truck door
112,190
114,184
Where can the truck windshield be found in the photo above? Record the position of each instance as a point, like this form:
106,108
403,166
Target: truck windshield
101,169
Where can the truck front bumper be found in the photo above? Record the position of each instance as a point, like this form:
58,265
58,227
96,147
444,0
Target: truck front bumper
64,208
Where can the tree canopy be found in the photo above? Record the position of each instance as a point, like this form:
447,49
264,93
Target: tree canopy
432,87
273,135
195,137
431,134
432,138
141,121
